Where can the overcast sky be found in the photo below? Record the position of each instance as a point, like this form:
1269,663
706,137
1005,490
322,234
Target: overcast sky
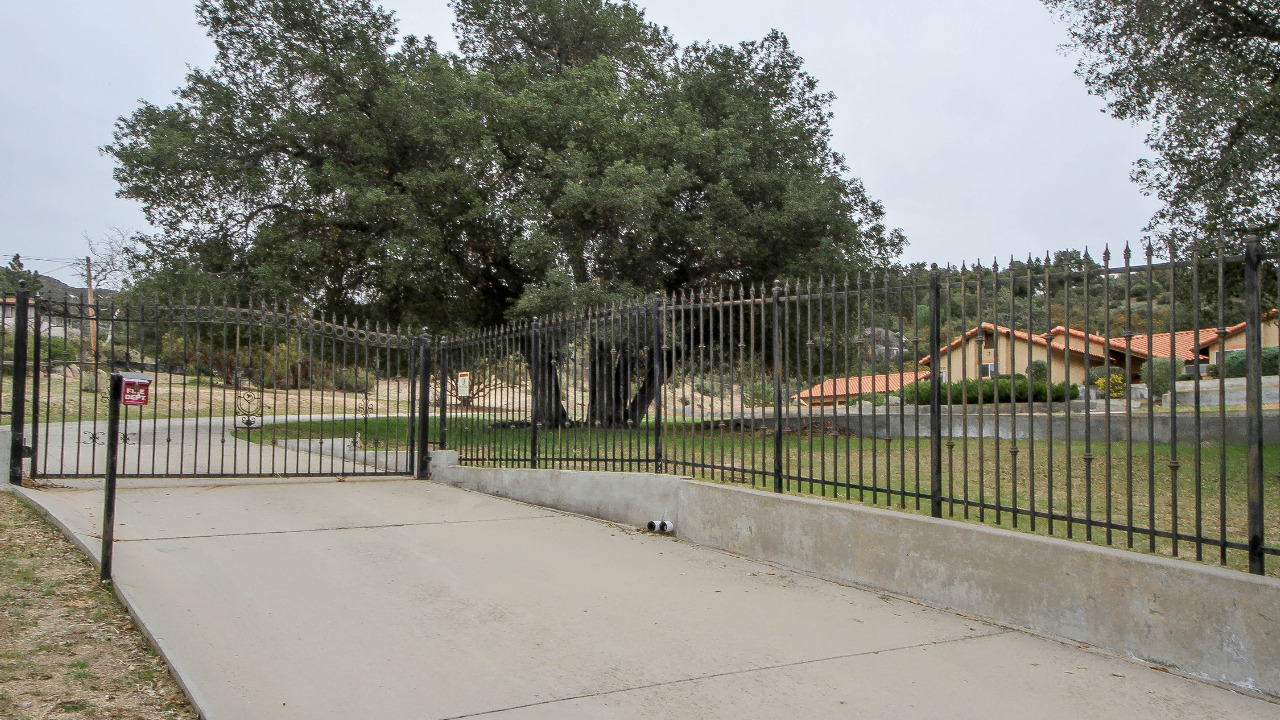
963,118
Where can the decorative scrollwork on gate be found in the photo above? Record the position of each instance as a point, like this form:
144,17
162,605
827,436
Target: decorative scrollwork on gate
94,437
366,408
249,408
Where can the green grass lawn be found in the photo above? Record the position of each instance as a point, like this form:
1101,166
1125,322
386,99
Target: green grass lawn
1042,477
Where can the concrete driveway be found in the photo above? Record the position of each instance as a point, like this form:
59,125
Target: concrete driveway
406,599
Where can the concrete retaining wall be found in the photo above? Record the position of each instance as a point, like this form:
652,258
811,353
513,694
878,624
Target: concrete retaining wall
1234,391
1207,621
626,498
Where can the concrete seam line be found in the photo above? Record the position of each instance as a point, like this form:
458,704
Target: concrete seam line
729,673
331,529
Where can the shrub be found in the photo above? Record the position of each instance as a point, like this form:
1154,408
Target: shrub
876,399
286,369
1039,371
1235,361
354,380
757,394
1211,370
1112,386
1155,374
50,349
1005,389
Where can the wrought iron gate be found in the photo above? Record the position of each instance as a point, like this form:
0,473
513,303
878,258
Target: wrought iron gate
250,389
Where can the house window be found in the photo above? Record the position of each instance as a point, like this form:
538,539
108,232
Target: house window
942,377
987,370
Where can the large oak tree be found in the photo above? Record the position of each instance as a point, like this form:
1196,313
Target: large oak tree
571,152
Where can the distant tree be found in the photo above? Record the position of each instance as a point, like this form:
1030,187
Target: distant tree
16,271
1204,74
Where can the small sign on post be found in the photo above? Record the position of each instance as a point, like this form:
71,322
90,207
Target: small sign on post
464,385
136,389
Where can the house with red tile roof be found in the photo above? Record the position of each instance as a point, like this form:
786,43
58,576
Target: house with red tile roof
838,391
991,350
1234,339
1184,345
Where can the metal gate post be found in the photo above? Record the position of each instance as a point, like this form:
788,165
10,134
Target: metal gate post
777,388
17,446
538,388
35,387
422,470
935,391
659,379
1253,400
444,389
109,485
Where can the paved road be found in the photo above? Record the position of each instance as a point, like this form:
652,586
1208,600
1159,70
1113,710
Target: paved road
403,599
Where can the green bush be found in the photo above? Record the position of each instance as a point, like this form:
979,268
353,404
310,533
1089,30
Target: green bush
876,399
1211,370
50,349
1039,371
1155,374
354,380
1005,389
1233,364
757,394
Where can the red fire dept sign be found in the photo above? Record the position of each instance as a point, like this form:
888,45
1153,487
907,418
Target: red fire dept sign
135,390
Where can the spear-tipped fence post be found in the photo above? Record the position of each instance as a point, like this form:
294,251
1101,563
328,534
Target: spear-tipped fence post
18,406
659,353
423,467
538,388
777,387
935,391
1253,399
443,349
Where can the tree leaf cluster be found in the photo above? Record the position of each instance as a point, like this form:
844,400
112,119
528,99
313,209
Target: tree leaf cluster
1203,75
571,154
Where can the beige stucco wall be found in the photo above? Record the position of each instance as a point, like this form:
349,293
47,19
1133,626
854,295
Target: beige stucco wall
1011,357
1270,338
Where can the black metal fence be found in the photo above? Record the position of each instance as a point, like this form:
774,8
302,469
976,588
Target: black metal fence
1131,404
1079,399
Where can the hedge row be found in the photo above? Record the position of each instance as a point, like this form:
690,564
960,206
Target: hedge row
1006,389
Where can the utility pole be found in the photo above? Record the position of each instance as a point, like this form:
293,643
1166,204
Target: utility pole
93,322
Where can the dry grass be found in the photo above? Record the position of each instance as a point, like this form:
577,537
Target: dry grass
67,647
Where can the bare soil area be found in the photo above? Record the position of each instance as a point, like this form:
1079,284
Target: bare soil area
67,647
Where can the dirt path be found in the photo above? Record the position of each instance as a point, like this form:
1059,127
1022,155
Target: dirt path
67,647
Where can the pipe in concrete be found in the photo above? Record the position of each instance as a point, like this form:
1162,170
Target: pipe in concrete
661,526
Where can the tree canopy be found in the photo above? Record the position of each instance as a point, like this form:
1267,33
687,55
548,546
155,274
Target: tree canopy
572,152
1204,74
